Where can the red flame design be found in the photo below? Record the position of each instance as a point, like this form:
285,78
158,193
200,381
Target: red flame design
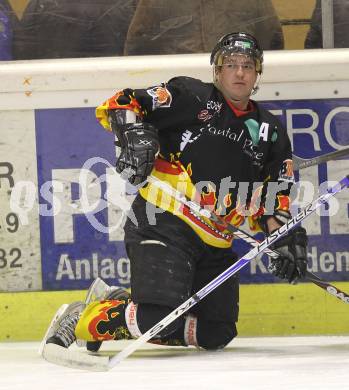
105,314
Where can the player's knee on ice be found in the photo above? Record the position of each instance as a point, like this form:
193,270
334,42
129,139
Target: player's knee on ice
161,274
211,335
215,335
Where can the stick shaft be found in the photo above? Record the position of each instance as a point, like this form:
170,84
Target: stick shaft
301,163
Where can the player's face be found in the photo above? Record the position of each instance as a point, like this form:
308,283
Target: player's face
237,77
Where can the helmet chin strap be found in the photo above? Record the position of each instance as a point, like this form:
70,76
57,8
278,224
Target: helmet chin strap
256,87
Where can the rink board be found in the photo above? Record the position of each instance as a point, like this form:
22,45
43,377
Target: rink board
265,310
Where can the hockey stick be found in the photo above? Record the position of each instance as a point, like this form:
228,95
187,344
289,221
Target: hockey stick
335,291
197,209
197,297
63,356
301,163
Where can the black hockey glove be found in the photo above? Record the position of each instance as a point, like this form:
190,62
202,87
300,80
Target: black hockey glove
292,262
139,144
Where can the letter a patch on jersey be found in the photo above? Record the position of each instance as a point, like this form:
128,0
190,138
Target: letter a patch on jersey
263,131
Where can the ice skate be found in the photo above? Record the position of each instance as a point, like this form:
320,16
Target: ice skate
99,290
62,328
60,336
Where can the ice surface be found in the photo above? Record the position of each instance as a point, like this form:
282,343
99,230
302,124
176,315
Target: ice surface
302,363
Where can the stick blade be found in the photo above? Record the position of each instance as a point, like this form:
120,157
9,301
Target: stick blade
74,359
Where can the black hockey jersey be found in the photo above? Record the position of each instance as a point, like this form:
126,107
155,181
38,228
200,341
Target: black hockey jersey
215,154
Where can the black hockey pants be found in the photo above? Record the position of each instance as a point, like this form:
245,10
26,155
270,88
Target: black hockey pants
169,263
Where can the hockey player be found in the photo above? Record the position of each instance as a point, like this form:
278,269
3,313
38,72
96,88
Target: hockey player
199,137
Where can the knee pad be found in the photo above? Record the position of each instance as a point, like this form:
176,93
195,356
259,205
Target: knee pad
160,274
215,335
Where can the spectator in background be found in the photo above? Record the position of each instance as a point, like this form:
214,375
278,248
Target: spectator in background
5,31
73,28
340,25
193,26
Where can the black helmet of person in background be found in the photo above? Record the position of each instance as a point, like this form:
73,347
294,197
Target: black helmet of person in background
240,43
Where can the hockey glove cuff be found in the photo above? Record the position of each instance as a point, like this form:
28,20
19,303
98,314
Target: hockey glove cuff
292,262
139,144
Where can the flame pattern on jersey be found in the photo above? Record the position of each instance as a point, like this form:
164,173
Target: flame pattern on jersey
122,100
211,233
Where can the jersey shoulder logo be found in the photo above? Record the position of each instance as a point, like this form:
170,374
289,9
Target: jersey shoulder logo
161,96
286,171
